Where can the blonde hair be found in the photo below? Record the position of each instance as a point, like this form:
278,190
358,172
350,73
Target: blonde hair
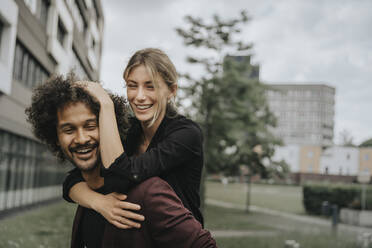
158,66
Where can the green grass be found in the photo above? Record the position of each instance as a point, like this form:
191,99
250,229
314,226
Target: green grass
276,197
48,226
308,235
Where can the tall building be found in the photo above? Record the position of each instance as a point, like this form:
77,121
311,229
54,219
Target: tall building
39,38
305,113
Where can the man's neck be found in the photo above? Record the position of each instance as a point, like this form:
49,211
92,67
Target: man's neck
93,178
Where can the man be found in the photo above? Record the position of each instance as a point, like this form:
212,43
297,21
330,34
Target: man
65,117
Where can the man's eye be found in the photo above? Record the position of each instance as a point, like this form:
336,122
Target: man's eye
150,86
91,127
131,86
68,131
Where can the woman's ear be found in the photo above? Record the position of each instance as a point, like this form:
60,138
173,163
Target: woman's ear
173,90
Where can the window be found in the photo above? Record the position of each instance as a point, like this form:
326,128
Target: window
24,166
366,157
77,66
61,32
1,31
310,168
27,70
43,13
310,154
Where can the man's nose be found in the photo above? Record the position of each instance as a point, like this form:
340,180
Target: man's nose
81,137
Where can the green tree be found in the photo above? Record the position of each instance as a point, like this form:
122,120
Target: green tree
229,100
366,143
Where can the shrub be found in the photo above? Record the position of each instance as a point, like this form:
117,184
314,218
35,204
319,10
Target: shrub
344,196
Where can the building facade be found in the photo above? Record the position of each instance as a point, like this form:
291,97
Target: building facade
305,113
37,39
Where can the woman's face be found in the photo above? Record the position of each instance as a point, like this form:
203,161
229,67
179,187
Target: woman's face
144,97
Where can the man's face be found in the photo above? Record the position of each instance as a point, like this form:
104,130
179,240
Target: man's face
78,135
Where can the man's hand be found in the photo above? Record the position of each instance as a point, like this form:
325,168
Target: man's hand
118,212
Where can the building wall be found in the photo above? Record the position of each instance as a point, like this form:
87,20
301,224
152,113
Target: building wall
365,160
305,113
290,154
338,160
37,39
310,159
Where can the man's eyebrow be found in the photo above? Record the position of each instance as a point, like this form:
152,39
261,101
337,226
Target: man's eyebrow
63,125
67,124
91,120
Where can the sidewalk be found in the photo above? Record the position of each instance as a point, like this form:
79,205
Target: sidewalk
296,217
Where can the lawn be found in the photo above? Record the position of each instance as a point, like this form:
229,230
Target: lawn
308,236
47,226
50,226
276,197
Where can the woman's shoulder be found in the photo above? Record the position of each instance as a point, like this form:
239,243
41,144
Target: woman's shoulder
181,122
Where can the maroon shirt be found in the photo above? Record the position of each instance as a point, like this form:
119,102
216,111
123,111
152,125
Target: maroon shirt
167,222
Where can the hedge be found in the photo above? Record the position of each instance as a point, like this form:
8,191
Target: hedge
344,196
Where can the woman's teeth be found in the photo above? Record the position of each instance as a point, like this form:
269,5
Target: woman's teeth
143,106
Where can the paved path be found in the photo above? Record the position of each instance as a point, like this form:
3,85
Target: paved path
296,217
242,233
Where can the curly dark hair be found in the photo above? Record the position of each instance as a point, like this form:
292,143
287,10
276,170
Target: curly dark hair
53,95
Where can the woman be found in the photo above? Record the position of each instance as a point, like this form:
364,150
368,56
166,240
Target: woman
160,142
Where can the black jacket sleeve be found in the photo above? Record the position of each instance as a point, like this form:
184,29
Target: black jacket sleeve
181,145
73,177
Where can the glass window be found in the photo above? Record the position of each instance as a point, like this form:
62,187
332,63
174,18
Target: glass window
17,69
44,12
1,31
30,74
27,70
61,32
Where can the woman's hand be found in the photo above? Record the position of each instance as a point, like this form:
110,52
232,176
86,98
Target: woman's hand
118,212
96,91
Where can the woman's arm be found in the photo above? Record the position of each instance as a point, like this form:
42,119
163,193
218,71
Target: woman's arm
111,206
181,146
110,143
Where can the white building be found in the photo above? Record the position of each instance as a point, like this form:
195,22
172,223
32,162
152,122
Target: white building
339,160
290,154
305,113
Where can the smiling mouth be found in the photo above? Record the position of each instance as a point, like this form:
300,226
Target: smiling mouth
143,107
82,150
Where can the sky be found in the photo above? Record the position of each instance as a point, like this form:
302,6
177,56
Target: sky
295,41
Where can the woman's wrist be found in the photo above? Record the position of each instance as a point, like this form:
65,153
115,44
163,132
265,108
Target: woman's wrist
96,202
106,103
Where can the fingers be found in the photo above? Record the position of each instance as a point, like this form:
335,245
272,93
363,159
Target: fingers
120,225
132,215
128,205
128,222
120,197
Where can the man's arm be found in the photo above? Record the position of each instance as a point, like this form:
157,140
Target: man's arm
169,222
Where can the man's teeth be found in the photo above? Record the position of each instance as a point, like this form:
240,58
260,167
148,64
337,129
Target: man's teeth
84,150
143,106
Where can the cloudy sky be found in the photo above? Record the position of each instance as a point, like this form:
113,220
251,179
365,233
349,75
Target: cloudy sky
295,41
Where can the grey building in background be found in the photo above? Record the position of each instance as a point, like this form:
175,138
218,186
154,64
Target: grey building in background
39,38
305,113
